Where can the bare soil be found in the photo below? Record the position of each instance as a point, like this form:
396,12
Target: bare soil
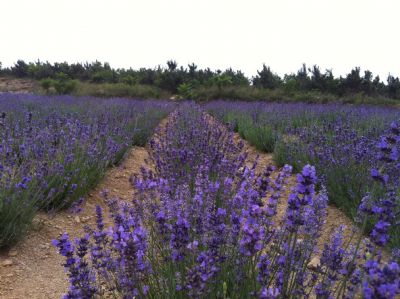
17,85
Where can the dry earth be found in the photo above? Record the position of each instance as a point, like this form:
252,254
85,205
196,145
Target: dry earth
17,85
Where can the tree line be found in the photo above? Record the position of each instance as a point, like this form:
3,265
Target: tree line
182,79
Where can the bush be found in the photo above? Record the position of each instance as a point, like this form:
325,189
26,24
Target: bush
17,210
185,91
260,136
284,152
46,84
65,86
103,76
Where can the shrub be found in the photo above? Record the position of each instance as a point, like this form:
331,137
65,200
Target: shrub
18,207
46,84
65,86
262,137
104,76
258,135
185,91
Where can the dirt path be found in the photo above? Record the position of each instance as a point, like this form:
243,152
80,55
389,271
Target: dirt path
335,217
36,270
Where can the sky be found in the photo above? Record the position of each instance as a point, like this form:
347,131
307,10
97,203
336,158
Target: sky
283,34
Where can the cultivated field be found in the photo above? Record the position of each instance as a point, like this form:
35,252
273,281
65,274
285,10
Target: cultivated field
154,199
344,143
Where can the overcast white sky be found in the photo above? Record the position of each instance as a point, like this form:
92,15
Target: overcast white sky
337,34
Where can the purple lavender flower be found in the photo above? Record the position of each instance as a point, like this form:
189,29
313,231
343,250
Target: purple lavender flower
201,274
253,234
381,281
179,238
269,293
81,277
379,234
264,270
333,254
301,196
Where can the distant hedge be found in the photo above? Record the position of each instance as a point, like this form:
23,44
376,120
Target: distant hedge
194,83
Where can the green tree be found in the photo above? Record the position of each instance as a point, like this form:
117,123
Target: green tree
267,79
20,69
393,87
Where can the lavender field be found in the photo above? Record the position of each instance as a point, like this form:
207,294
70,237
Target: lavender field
203,224
344,143
204,219
53,150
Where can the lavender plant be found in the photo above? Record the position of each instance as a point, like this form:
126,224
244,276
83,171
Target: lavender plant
203,224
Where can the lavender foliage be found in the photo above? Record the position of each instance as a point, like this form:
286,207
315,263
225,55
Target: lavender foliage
53,150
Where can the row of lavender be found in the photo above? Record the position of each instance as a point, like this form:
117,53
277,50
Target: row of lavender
203,225
341,141
55,149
